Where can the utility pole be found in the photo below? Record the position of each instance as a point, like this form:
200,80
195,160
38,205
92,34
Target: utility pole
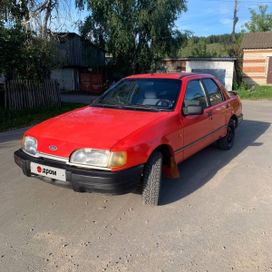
235,20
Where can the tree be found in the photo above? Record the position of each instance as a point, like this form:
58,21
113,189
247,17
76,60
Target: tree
24,53
195,47
24,56
136,32
40,13
260,22
14,12
31,15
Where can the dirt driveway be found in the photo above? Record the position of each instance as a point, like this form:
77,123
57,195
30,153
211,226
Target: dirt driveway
217,217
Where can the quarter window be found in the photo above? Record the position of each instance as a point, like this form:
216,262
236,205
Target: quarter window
194,96
214,94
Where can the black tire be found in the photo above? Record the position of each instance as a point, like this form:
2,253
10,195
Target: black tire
77,188
226,143
152,180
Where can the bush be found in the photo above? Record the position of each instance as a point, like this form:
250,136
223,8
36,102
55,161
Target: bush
24,56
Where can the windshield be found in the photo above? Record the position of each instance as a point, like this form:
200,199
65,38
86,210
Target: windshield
141,94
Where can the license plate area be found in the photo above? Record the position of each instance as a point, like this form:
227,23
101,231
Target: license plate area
48,171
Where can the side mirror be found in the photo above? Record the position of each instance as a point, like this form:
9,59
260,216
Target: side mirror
193,110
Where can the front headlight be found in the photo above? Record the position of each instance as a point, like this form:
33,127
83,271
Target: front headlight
98,158
29,145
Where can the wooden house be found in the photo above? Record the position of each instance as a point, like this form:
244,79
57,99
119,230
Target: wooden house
257,58
81,63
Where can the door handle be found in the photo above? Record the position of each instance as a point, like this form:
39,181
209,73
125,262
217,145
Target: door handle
209,113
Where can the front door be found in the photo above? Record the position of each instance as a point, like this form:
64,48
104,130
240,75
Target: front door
269,71
196,128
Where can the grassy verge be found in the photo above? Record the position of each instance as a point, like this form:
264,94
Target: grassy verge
17,119
258,92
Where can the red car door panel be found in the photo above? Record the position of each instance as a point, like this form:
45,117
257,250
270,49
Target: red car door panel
218,107
196,128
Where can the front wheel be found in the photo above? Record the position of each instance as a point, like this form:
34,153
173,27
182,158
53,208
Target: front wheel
226,143
152,180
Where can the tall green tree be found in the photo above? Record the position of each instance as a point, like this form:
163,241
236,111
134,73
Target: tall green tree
24,56
260,21
14,12
31,15
136,32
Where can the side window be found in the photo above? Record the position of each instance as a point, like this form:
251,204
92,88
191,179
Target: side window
195,95
214,94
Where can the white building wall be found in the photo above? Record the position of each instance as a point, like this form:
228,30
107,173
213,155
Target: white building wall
228,66
65,78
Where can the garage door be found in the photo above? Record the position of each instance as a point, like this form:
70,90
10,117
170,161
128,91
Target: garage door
218,73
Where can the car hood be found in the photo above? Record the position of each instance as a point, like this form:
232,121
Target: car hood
89,127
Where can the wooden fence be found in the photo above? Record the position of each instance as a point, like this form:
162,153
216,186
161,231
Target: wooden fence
22,94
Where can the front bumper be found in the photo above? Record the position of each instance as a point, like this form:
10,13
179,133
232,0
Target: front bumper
113,182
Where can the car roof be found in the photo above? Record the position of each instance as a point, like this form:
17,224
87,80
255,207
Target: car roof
169,75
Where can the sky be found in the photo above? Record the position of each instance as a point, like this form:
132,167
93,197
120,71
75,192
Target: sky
208,17
202,18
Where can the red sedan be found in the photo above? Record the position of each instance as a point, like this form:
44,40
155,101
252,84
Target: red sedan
139,129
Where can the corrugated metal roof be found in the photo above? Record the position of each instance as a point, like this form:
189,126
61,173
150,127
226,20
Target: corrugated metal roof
257,40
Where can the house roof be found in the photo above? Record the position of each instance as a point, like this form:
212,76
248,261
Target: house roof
257,40
200,59
66,34
62,36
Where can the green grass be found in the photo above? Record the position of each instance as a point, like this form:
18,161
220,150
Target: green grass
255,93
17,119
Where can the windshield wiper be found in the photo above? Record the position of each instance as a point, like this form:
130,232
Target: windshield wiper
129,107
112,106
141,107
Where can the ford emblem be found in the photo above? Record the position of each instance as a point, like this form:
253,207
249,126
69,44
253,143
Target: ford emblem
53,147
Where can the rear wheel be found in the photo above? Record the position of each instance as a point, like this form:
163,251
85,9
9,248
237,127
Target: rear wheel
226,143
152,180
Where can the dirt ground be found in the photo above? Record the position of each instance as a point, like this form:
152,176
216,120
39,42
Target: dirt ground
216,217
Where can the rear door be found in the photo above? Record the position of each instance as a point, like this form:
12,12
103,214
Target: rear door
218,107
196,128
